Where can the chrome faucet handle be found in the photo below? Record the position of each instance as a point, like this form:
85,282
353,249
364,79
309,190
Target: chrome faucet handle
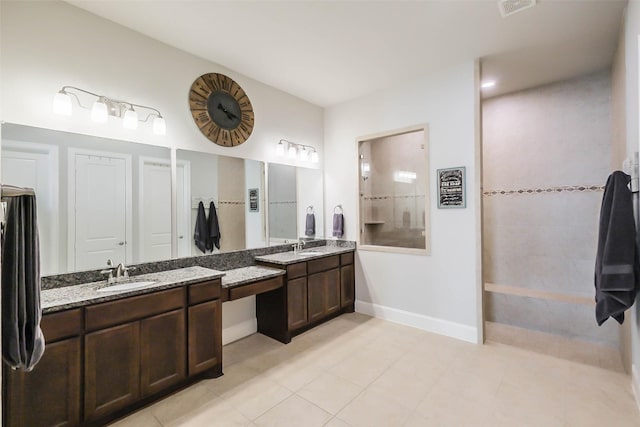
110,273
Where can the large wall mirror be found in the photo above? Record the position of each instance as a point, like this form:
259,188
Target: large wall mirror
102,199
296,203
232,187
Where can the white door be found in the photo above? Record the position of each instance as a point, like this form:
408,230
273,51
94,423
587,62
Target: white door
155,210
35,166
183,197
100,223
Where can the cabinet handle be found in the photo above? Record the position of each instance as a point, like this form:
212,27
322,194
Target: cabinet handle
120,243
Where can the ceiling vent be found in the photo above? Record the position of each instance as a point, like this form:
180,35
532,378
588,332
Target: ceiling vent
509,7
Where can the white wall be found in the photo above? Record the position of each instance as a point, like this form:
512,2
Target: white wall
437,292
46,45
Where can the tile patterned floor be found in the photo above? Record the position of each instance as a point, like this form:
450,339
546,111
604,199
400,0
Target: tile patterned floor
360,371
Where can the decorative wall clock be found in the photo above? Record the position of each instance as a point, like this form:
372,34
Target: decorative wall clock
221,109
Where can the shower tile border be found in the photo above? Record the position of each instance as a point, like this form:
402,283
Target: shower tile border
554,190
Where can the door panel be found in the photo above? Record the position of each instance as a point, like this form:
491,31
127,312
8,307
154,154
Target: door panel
155,212
100,210
34,170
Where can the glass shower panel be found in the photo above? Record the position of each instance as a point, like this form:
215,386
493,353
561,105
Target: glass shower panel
394,190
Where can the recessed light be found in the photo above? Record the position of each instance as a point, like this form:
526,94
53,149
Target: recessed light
488,84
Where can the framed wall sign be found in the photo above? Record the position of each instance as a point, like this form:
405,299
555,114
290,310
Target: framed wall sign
253,200
451,188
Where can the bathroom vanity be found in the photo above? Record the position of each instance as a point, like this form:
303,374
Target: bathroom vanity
104,359
111,352
319,285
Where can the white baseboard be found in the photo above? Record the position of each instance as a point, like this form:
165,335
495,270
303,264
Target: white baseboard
635,384
239,331
420,321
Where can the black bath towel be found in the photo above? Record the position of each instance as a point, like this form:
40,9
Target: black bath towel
617,264
22,339
310,225
214,228
201,234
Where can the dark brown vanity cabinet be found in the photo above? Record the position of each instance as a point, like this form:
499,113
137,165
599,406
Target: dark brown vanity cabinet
49,395
314,291
347,282
106,359
142,354
205,329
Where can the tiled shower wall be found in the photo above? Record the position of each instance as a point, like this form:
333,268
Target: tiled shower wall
546,156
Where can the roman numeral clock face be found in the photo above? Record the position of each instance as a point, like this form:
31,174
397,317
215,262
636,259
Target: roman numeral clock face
221,109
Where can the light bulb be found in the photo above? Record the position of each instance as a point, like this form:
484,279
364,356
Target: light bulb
314,157
304,154
99,111
62,103
280,149
293,153
159,126
130,119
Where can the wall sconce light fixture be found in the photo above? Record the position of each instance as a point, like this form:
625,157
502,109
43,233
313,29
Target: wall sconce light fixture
103,107
293,150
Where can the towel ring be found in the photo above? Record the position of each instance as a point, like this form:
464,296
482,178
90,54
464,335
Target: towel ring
336,208
310,209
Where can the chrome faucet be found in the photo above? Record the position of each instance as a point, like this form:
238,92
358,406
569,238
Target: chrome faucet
122,271
298,246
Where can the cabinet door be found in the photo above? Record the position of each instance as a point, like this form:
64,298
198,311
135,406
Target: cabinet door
112,369
331,291
162,345
49,395
347,285
205,336
297,303
316,288
324,294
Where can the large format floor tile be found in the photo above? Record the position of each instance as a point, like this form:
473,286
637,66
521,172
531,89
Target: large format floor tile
358,371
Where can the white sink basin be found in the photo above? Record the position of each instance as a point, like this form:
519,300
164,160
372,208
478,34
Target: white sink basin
310,253
125,286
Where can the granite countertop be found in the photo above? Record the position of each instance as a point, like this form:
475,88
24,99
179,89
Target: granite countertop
244,275
66,297
286,258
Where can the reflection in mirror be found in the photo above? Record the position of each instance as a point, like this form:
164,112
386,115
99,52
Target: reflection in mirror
97,198
393,190
225,181
294,194
283,206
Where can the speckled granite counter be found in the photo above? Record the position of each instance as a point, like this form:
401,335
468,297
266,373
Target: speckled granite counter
286,258
63,298
245,275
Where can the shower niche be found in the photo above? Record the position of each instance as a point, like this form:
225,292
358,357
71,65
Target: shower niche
394,191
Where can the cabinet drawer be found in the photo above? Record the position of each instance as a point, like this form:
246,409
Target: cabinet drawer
205,291
115,312
346,258
255,288
60,325
323,264
296,270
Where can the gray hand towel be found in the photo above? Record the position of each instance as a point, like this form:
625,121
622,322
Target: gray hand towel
22,339
338,225
310,225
